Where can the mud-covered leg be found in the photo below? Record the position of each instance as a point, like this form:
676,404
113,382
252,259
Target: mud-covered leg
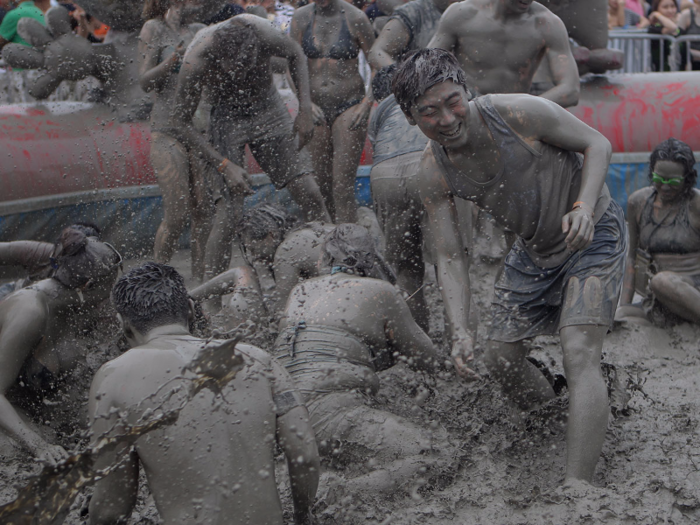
678,294
203,210
347,148
321,150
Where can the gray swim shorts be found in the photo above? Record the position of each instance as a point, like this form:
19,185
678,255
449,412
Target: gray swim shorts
584,290
267,129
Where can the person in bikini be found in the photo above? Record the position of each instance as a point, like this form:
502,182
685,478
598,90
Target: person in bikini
331,33
663,262
540,172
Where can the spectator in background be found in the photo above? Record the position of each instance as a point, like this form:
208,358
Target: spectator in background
663,20
26,8
82,23
634,14
616,14
688,22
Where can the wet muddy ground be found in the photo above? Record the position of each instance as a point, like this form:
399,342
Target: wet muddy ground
510,464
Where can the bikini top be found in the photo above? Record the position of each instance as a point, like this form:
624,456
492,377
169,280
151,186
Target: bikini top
344,48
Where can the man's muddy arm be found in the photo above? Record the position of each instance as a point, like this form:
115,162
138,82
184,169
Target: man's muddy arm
114,496
446,35
225,283
452,262
389,44
627,293
287,276
567,84
30,255
540,120
153,75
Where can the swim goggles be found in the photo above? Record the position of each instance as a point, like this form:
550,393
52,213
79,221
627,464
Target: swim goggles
675,181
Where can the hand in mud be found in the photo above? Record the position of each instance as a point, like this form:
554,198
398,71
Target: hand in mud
304,126
360,114
237,179
462,356
50,454
317,114
579,226
57,50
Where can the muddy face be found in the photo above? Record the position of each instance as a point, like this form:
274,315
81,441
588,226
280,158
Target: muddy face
671,172
442,113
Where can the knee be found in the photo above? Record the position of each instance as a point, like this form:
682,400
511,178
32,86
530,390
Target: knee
664,283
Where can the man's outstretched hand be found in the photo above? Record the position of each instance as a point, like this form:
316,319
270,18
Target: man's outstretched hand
304,126
463,358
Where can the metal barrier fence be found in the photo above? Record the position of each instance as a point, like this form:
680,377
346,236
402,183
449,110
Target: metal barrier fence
646,53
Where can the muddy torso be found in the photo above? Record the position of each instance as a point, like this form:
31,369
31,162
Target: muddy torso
167,41
499,57
669,233
531,190
332,50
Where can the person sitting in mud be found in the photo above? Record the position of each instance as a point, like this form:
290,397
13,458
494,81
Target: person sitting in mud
162,43
219,462
231,62
518,157
33,257
331,34
663,262
35,321
282,251
337,332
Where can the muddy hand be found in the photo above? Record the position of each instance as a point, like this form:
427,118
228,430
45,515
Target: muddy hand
304,126
237,179
51,454
317,114
463,358
579,227
360,115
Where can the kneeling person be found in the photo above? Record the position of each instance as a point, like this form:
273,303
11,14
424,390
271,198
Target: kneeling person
215,464
337,332
517,157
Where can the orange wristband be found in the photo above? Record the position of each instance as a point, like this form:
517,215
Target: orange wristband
223,165
583,206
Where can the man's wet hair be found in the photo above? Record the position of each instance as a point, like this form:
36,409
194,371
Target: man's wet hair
155,9
88,228
264,219
78,259
423,69
675,150
349,248
238,40
151,295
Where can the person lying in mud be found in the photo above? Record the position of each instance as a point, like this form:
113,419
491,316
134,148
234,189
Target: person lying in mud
337,332
32,259
230,61
663,262
218,465
282,250
518,157
35,322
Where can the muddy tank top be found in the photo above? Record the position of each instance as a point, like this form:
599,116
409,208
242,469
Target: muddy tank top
676,237
532,191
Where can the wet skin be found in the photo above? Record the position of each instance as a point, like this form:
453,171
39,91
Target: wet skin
675,291
501,43
218,465
337,146
201,70
42,322
31,256
162,44
444,115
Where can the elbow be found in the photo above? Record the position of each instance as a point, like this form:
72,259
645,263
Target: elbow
573,94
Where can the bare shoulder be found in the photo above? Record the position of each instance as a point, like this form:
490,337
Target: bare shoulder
354,15
635,202
254,355
151,29
526,113
304,13
548,23
461,12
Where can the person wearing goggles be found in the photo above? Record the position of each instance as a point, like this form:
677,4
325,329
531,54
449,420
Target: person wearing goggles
663,263
35,322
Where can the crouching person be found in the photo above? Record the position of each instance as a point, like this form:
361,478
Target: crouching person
215,463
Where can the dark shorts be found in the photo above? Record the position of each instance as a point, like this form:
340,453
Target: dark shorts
267,129
584,290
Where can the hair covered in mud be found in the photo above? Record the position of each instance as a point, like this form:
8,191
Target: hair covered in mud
350,248
675,150
78,258
151,295
263,219
423,69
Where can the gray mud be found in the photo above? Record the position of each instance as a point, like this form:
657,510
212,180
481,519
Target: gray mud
510,464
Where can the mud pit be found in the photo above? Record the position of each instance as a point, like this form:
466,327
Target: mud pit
511,464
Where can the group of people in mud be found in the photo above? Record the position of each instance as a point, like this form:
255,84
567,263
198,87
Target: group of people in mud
453,126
